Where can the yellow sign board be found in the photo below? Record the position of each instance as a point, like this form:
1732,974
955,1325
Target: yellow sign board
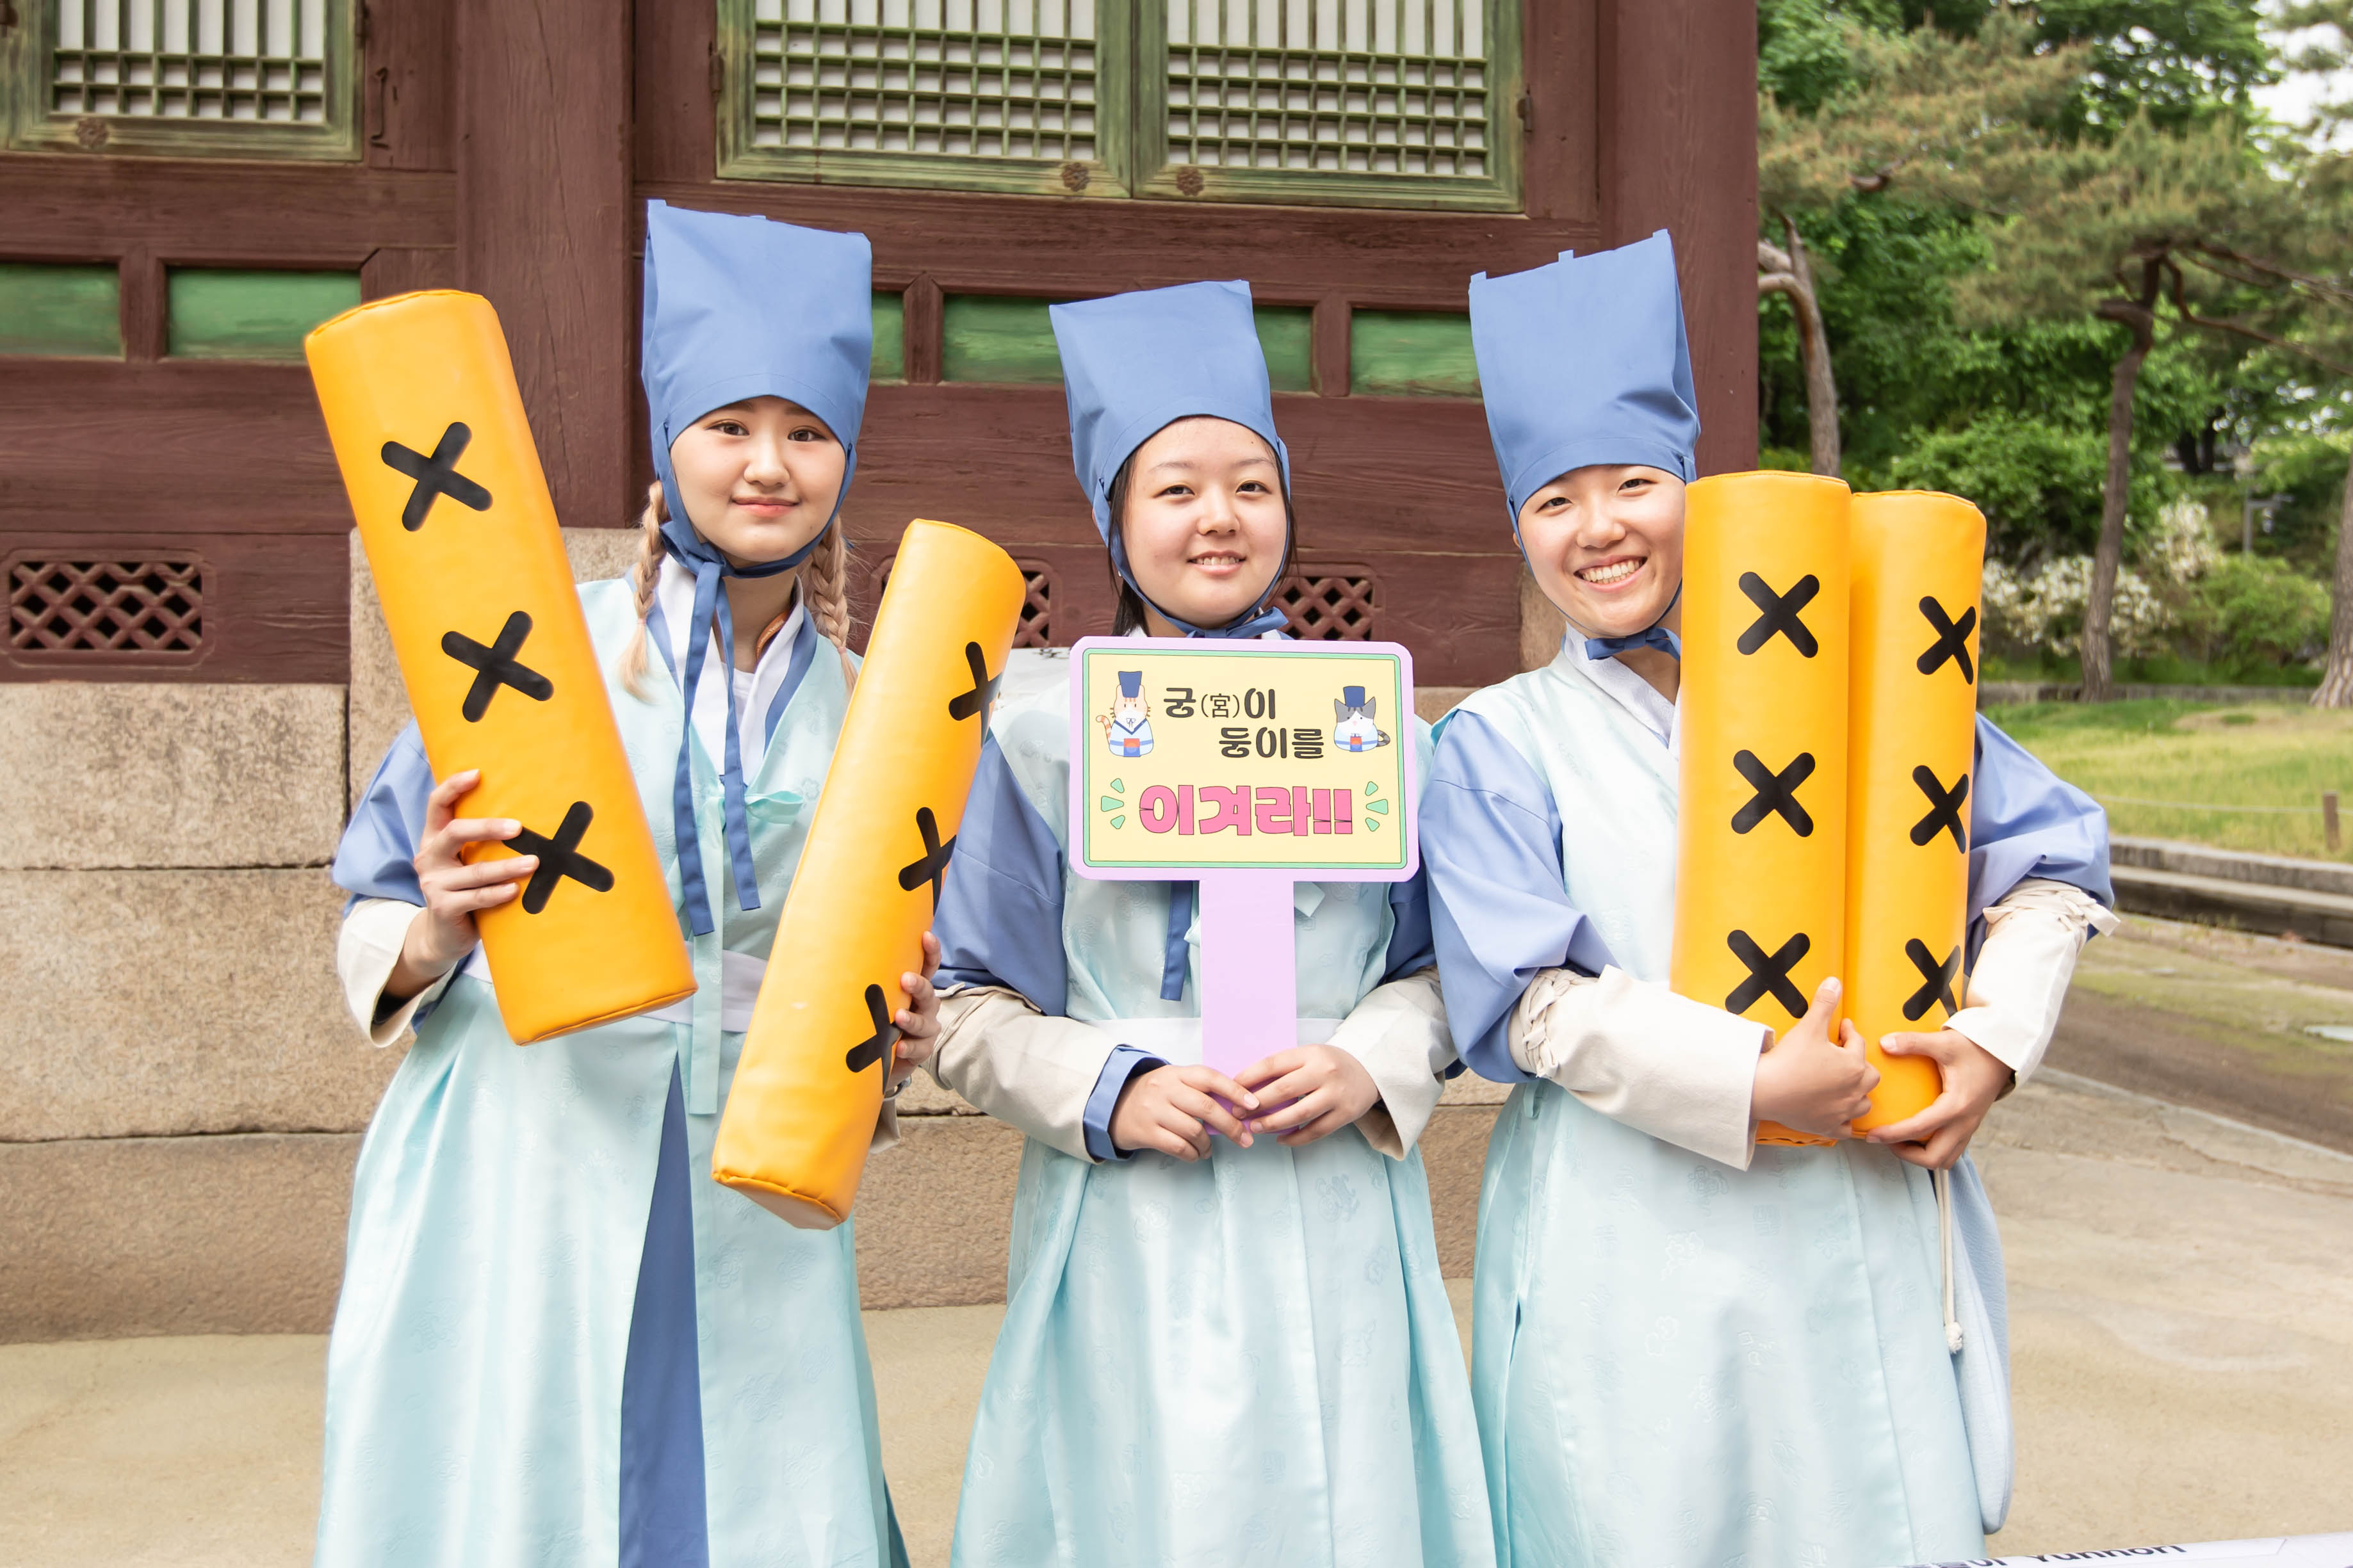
1193,756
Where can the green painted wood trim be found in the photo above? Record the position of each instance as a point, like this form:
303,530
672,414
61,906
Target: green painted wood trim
1499,190
53,310
1105,175
219,314
1412,353
1009,340
28,126
1287,334
889,361
998,338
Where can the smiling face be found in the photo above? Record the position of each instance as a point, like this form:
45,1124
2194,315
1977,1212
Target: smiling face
759,477
1205,524
1606,545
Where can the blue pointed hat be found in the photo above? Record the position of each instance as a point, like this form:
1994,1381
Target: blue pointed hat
1585,360
737,307
1135,363
740,307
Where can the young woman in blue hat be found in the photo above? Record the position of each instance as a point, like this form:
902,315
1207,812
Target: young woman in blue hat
559,1341
1226,1338
1689,1350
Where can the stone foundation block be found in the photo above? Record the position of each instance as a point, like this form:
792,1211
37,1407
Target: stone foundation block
152,1003
934,1214
1542,625
109,773
107,1238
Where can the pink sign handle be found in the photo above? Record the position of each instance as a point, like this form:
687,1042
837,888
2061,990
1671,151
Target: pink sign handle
1249,976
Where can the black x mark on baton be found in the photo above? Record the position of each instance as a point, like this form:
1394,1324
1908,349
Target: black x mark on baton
1944,809
1775,793
1768,976
870,1050
1780,612
983,692
497,666
435,476
1939,976
559,857
1952,639
933,864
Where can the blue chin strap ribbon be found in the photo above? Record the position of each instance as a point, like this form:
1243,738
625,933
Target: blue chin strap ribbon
691,551
737,309
1653,636
1257,621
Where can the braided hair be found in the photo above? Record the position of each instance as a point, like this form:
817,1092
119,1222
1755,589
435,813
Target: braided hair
823,589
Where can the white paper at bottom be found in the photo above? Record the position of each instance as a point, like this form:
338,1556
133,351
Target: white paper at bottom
2279,1552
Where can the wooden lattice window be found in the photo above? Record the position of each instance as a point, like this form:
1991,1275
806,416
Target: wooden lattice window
1365,102
997,95
1353,102
106,611
1328,609
186,78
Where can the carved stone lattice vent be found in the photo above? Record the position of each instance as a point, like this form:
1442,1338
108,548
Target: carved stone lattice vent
1327,609
143,608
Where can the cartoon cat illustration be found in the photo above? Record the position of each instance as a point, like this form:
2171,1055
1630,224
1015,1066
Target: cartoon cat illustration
1127,728
1354,730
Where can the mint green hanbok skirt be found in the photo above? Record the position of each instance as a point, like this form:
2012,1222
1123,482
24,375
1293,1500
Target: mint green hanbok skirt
1246,1361
1679,1364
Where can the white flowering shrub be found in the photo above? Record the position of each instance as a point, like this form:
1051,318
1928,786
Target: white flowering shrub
2183,549
2043,607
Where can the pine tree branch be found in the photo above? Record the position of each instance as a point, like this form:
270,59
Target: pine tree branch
2240,329
2320,285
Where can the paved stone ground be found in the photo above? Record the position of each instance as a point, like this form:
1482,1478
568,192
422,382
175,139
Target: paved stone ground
2182,1322
2220,1020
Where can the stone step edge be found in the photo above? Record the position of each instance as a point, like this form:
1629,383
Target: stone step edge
2232,865
2325,918
2002,693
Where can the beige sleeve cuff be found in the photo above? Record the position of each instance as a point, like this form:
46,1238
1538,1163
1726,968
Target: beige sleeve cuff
366,951
1680,1070
1029,1071
1399,1033
886,1127
2019,982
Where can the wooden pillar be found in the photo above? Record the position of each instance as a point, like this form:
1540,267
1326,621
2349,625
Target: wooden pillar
1679,153
544,197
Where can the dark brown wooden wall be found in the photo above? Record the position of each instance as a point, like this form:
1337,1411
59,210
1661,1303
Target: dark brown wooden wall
509,149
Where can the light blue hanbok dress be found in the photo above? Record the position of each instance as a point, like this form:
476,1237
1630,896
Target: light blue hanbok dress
1247,1360
560,1342
1680,1363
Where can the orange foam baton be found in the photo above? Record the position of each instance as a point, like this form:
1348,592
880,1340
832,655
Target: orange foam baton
1919,562
808,1087
1760,879
453,510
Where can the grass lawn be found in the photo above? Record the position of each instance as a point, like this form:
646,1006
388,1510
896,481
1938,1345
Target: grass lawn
2199,756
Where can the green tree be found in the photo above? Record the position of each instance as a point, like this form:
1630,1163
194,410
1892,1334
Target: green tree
2195,230
1950,120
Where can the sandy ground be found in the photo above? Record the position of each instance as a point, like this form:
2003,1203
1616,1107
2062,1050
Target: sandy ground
2182,1328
